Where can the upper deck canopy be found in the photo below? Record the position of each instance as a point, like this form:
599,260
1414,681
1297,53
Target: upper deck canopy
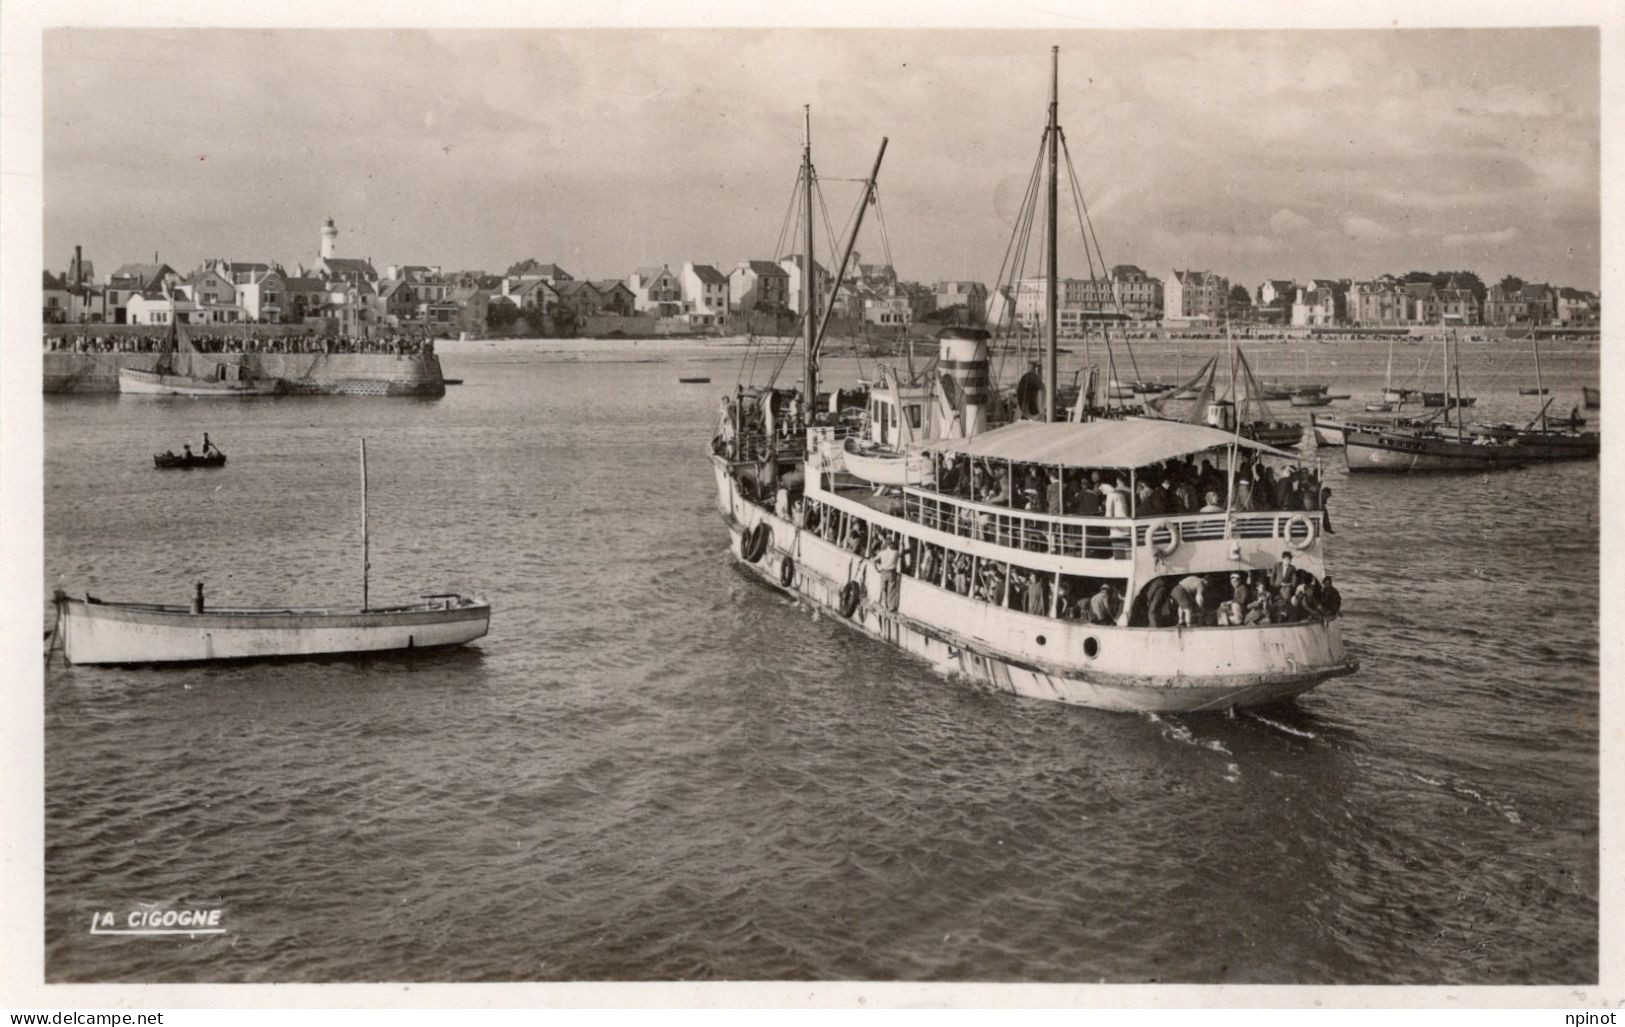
1132,442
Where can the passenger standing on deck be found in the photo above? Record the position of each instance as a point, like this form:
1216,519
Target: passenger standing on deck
885,562
1102,606
1188,596
1235,611
1284,573
1037,594
1331,600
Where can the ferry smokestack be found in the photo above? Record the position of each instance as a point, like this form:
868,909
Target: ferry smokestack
963,373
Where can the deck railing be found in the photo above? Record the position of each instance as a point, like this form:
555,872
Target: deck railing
1098,538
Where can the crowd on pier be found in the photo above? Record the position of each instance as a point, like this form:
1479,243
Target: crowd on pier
205,342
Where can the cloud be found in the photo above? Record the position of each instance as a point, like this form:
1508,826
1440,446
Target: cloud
1364,229
1495,238
1289,222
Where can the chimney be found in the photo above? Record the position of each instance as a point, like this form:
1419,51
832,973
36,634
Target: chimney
78,267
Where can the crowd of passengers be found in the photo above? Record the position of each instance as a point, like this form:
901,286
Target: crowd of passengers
1171,488
1283,594
203,342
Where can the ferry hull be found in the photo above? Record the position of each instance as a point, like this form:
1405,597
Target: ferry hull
125,633
1161,670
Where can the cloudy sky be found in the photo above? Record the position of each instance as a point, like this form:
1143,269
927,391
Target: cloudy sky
1255,154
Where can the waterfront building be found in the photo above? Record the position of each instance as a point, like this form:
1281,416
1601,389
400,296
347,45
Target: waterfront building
208,286
56,301
614,297
1194,296
705,294
821,283
1315,307
396,301
1458,303
160,306
1138,294
758,284
970,295
530,295
1576,307
1421,303
264,298
656,291
888,307
241,272
1376,303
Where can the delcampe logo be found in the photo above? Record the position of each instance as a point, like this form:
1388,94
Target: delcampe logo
150,918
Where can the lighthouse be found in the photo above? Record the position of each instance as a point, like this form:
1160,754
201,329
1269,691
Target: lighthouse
330,239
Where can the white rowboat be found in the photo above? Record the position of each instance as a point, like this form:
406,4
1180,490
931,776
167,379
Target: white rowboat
96,632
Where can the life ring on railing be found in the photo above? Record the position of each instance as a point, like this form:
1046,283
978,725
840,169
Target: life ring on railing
754,542
851,593
1173,538
1308,531
787,571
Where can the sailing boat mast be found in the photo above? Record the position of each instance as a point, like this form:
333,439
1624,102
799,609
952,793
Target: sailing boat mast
1540,386
809,317
851,241
366,564
1458,384
1053,134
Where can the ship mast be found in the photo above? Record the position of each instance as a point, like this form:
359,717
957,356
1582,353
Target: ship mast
809,317
1053,133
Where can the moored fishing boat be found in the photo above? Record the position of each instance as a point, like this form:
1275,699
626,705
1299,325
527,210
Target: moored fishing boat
1329,431
94,631
1039,591
176,374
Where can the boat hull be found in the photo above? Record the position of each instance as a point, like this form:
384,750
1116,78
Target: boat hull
1158,670
131,633
1384,451
325,374
135,382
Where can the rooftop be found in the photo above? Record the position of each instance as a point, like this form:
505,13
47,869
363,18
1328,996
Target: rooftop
1134,442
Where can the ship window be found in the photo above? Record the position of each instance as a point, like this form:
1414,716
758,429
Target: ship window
1091,647
914,415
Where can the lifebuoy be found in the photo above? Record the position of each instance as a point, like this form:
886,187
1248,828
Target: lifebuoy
851,592
754,542
787,571
1308,531
1173,537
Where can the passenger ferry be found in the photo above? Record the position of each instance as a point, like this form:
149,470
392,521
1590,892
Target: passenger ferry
1037,592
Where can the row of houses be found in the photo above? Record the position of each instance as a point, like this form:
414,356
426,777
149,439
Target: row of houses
349,294
1388,301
